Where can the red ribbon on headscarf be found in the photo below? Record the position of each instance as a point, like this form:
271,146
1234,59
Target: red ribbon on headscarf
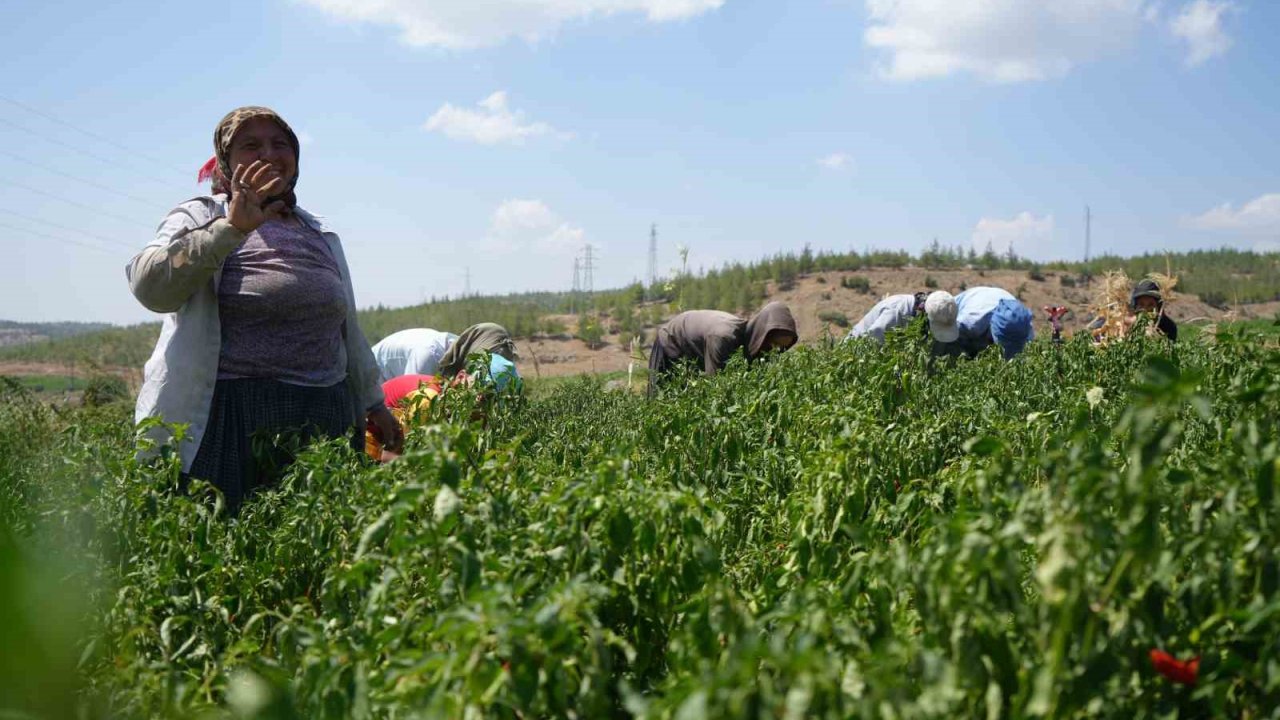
207,170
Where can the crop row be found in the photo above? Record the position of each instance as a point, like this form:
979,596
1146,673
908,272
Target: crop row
843,532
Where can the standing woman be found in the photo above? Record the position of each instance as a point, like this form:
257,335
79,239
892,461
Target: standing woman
260,339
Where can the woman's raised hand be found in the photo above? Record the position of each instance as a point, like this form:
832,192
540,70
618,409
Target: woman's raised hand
249,185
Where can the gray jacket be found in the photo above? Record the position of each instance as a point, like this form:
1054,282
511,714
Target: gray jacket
178,274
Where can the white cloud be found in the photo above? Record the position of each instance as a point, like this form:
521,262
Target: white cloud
1025,232
998,40
529,225
1259,215
461,24
1200,25
492,122
836,161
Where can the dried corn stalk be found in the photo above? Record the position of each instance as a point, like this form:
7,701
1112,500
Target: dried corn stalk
1167,284
1112,304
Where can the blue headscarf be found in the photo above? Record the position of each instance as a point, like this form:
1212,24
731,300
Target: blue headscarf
1011,327
503,373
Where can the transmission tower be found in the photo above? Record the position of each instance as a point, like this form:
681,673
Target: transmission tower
577,284
652,276
588,269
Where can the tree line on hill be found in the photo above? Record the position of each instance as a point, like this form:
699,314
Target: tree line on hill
1220,277
17,333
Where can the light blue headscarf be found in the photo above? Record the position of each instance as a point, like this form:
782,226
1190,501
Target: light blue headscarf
503,373
1011,327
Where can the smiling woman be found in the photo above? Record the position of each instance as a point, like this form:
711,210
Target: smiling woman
261,350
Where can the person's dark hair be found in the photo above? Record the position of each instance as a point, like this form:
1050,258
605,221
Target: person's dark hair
920,297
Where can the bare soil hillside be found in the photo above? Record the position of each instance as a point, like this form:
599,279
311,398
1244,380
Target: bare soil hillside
812,295
823,292
18,368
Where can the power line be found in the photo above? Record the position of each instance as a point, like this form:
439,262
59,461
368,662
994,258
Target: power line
653,260
87,133
90,208
86,181
73,241
50,223
88,153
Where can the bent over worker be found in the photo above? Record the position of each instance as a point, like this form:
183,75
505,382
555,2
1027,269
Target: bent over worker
416,351
409,396
711,337
423,351
479,338
989,316
897,311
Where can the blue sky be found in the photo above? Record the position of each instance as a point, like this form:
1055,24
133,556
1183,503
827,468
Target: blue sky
447,135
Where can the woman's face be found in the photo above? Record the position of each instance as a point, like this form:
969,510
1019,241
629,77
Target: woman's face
1146,304
778,340
262,139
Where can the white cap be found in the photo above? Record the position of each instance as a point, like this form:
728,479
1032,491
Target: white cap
941,308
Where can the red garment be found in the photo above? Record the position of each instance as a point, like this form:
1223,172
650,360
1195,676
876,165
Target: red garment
398,388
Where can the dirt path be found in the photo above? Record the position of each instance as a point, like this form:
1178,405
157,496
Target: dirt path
18,369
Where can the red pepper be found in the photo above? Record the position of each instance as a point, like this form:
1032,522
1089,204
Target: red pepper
1179,671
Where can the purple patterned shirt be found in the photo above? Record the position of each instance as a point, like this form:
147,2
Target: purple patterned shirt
281,306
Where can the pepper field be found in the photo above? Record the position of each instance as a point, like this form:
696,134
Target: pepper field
844,532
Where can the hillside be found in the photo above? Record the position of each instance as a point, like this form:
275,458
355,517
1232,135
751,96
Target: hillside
841,287
822,293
